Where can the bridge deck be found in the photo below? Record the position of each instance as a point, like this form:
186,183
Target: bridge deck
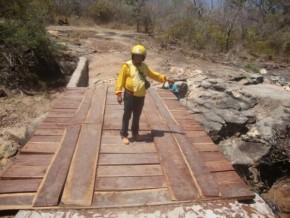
75,158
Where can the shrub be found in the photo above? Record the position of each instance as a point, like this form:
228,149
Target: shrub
217,37
252,67
27,50
26,30
102,11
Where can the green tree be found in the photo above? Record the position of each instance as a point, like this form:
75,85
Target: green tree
28,54
24,25
138,9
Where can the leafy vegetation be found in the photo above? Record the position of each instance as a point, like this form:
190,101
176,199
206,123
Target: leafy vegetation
24,27
28,53
252,67
259,27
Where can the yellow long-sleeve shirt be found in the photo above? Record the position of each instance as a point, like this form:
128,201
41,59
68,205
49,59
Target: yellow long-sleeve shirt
129,78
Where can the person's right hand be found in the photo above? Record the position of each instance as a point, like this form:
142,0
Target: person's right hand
119,99
169,80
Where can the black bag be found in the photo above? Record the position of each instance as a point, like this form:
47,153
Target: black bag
183,89
147,84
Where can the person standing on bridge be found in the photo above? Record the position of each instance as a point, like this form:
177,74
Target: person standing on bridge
132,77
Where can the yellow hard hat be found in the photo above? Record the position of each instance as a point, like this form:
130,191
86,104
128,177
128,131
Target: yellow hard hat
139,49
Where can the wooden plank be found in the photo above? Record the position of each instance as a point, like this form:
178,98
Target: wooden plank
197,134
127,159
111,96
84,108
52,185
180,182
216,166
127,149
111,90
115,140
170,97
112,103
96,111
185,118
226,177
129,183
57,119
131,198
19,186
79,187
189,127
117,125
22,172
114,107
49,132
201,174
205,146
68,100
198,137
32,160
53,125
113,115
71,99
66,106
129,170
45,138
61,114
211,156
110,133
16,201
62,111
183,112
173,104
40,148
118,110
164,92
239,191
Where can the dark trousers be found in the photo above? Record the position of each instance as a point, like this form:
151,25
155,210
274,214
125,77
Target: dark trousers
132,104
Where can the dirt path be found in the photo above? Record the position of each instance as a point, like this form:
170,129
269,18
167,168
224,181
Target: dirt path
107,49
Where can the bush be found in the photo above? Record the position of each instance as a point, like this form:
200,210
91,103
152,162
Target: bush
185,31
26,30
27,51
217,38
252,67
271,44
102,11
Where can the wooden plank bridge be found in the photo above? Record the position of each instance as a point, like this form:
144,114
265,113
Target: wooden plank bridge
76,159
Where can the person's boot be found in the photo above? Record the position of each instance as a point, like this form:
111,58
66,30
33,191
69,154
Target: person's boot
137,137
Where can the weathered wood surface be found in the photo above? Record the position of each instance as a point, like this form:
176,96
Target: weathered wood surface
211,163
76,158
181,184
79,187
201,175
51,187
